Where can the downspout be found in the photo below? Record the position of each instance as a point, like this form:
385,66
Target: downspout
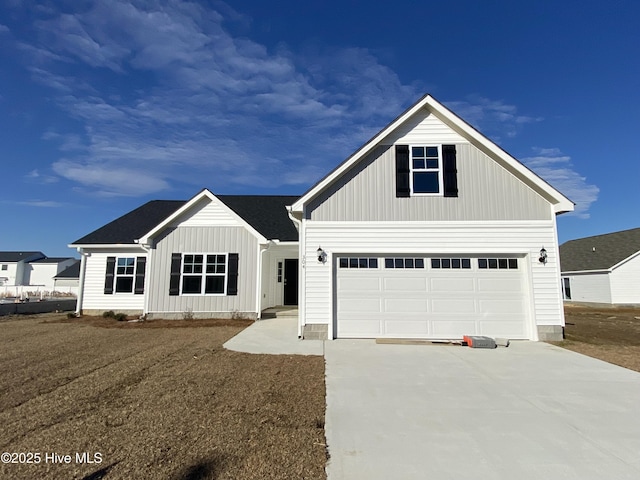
147,248
83,269
301,278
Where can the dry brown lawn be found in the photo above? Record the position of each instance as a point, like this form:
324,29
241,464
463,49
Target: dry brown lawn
155,400
610,334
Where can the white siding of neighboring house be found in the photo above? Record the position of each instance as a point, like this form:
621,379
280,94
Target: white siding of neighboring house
431,239
9,275
94,298
625,281
590,287
272,290
41,274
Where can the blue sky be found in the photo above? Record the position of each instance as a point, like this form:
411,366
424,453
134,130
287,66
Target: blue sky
106,105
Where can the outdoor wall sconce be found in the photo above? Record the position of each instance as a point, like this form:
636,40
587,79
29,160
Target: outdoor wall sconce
321,255
543,256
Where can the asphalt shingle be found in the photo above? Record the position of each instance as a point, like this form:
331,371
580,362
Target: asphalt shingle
599,252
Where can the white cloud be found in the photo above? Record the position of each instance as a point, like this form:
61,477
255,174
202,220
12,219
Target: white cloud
558,170
495,118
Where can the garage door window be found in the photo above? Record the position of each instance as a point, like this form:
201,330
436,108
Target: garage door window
451,263
358,262
498,263
404,263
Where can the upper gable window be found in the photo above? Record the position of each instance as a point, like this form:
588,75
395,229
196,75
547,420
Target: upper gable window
426,170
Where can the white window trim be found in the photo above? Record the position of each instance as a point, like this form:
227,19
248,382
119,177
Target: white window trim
116,275
439,170
204,274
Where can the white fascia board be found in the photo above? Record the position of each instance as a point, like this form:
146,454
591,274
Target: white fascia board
205,193
581,272
560,203
103,246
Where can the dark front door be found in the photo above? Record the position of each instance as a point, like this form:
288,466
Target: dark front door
291,281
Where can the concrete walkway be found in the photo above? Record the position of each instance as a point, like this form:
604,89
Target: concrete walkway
275,336
530,411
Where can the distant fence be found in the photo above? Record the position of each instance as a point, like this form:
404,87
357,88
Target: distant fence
37,291
45,306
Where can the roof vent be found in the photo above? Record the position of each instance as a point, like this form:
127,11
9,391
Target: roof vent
593,249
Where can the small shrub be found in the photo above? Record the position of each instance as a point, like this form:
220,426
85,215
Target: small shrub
72,315
109,314
121,317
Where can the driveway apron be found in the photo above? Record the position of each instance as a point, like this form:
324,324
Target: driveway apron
530,411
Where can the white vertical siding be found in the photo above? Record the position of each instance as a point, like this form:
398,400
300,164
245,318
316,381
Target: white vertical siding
590,287
486,191
94,297
625,282
523,238
204,240
207,213
423,127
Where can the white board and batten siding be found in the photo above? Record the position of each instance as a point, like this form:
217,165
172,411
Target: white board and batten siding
434,239
94,297
486,191
204,240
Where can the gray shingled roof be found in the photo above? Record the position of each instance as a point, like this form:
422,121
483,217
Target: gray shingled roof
266,213
19,256
610,249
72,271
133,225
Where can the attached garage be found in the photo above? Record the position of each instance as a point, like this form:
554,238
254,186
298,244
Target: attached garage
439,297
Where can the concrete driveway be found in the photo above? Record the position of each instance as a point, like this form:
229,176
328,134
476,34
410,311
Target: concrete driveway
530,411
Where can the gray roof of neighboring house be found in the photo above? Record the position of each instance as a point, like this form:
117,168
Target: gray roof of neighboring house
266,213
19,256
599,252
51,260
72,271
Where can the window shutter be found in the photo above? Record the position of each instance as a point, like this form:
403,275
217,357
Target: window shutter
109,277
232,280
402,171
174,279
141,263
450,172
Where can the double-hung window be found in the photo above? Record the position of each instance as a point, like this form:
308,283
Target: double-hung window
204,274
125,274
426,170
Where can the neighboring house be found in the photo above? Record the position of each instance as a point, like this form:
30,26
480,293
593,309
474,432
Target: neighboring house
429,230
603,268
68,278
14,267
40,273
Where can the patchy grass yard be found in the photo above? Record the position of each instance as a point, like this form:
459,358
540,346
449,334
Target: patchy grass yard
610,334
155,401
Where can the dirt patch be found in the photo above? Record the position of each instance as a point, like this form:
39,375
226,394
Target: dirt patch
155,400
610,334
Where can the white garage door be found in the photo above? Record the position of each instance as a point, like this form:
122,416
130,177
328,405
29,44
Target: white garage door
431,297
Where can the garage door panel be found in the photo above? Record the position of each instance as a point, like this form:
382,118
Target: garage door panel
451,328
458,306
359,305
503,285
405,284
452,284
359,328
406,328
409,305
360,284
500,305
